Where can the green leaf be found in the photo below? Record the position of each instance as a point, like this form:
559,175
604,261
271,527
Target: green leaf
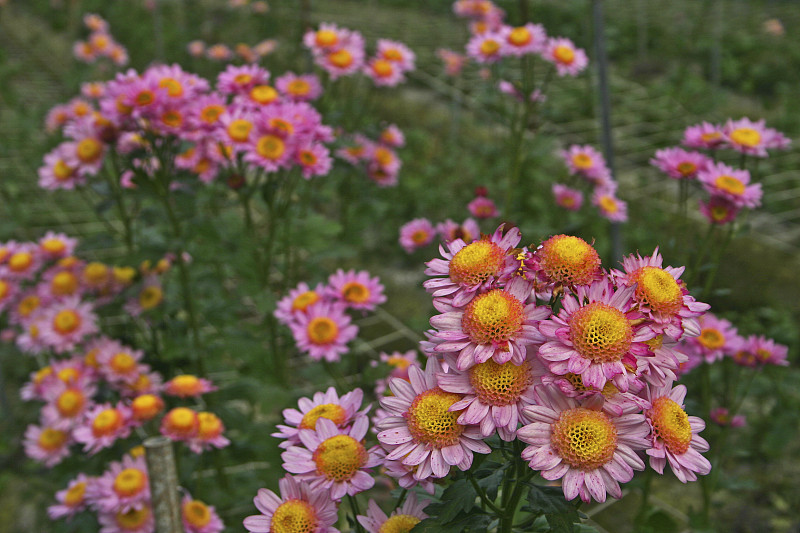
560,514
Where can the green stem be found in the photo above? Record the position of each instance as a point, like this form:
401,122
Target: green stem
482,495
354,509
401,498
112,178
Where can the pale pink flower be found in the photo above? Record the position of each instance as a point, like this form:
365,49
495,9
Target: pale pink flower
407,516
197,517
568,59
521,40
566,197
732,184
323,331
298,503
356,290
705,135
124,486
104,424
47,445
416,234
677,163
72,499
753,138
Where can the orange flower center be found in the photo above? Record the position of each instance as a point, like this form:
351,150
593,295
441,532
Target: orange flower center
210,426
210,113
172,118
520,36
122,363
242,79
70,402
182,421
392,54
294,516
239,130
600,333
4,289
730,185
20,261
746,137
270,147
583,438
322,330
671,424
608,204
146,406
303,300
564,54
143,98
96,273
711,338
339,458
53,246
569,260
326,38
341,58
582,161
686,168
69,374
66,321
429,420
51,440
130,482
298,87
658,290
106,423
420,237
382,68
64,283
399,523
42,374
75,494
355,292
196,513
476,263
711,136
500,384
307,158
173,87
186,385
333,412
133,519
263,94
489,47
493,317
62,171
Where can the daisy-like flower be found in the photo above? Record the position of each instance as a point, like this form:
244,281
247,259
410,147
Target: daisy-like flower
567,197
422,431
399,363
482,207
300,88
119,364
472,268
333,459
23,261
467,231
67,403
719,210
124,486
180,424
396,52
209,433
759,351
453,61
384,73
188,386
298,301
67,323
132,521
341,411
197,517
494,395
609,205
705,135
146,407
494,325
722,417
47,445
314,159
57,245
679,164
674,434
590,449
585,160
595,335
240,79
521,40
486,47
312,511
356,290
104,424
567,58
753,138
732,184
392,136
661,296
415,234
565,260
343,61
715,339
72,499
405,518
324,331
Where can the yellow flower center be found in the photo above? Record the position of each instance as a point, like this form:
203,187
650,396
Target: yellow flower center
64,283
339,458
658,289
583,438
242,79
69,374
150,297
122,363
746,137
608,204
53,246
382,68
420,237
399,523
51,440
500,384
493,317
239,130
294,516
686,168
20,261
730,185
341,58
392,54
172,118
355,292
719,213
143,98
122,107
91,358
74,495
326,38
283,126
196,513
263,94
270,147
520,36
476,263
42,374
582,161
489,47
671,424
173,86
656,342
398,362
711,338
66,321
70,402
210,113
333,412
62,171
133,519
303,300
107,422
569,260
711,136
182,421
28,305
186,385
146,406
429,420
600,333
609,389
564,54
4,289
130,482
209,426
96,273
307,158
322,330
298,87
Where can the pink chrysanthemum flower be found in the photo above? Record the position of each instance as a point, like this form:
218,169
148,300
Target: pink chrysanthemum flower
188,386
415,234
343,61
674,434
567,58
124,486
383,73
722,417
323,331
67,323
197,517
313,510
341,411
104,424
392,136
565,260
405,518
209,433
327,37
610,206
719,210
494,325
399,364
66,404
494,395
39,383
482,207
240,79
753,138
732,184
585,160
567,197
72,499
453,61
486,47
118,363
314,159
595,335
590,449
705,135
472,268
333,459
679,164
397,53
467,231
755,351
24,260
715,338
8,294
133,521
661,296
297,302
299,87
356,290
57,245
521,40
47,445
57,172
180,424
145,407
422,431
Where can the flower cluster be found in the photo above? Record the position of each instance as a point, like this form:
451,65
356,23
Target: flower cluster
99,44
120,498
221,52
378,158
585,162
318,318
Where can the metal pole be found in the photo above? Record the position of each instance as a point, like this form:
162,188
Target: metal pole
163,484
605,112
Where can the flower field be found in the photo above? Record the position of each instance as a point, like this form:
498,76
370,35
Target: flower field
372,266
